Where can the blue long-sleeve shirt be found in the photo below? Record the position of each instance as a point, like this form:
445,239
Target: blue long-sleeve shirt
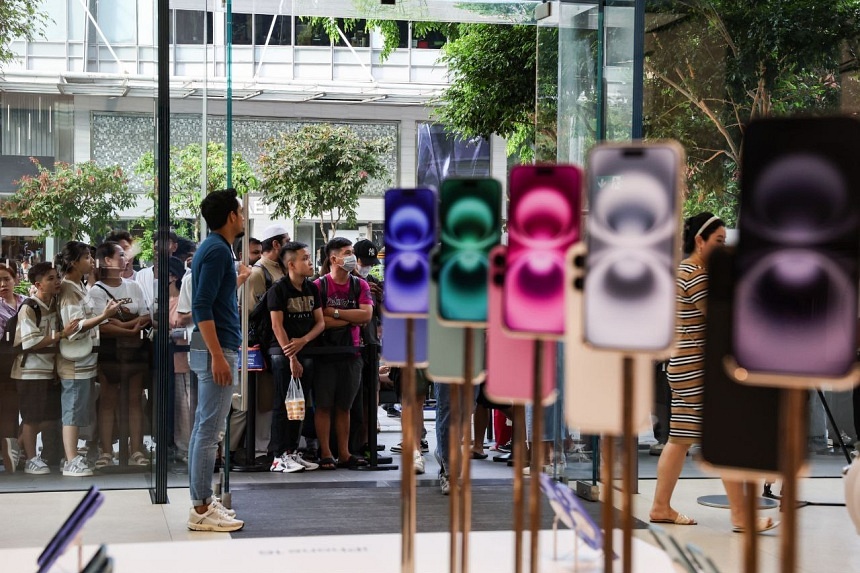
213,282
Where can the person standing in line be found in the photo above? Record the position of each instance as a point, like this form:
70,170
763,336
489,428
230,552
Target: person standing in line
297,319
346,306
214,352
74,303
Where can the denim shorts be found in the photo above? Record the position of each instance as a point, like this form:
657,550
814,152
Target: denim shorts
75,402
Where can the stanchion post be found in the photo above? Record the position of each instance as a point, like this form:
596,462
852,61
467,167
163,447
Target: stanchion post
793,424
466,422
627,475
454,428
536,453
519,446
407,485
607,456
750,534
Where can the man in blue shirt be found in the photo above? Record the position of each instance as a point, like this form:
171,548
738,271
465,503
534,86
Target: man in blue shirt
213,356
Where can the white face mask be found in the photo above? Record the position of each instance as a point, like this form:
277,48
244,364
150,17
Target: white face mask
364,271
349,263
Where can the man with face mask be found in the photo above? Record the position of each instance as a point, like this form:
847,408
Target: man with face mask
338,377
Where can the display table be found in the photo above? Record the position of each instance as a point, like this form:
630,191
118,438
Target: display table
490,551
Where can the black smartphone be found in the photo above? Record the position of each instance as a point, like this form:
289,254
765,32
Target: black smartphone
734,413
470,223
410,234
98,561
795,311
632,238
92,500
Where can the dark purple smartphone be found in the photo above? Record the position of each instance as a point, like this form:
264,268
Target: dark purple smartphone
92,500
543,222
795,309
410,233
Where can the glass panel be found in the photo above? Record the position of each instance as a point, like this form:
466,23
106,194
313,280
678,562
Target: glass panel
431,40
442,155
57,28
243,29
281,34
310,34
189,27
77,21
118,20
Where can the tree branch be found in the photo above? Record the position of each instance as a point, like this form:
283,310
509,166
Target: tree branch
699,103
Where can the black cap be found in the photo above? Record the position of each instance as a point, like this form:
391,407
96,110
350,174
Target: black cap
366,252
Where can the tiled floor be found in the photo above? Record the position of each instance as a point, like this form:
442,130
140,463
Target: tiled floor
827,540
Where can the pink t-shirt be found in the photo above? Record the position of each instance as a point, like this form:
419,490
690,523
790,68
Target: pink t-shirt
337,296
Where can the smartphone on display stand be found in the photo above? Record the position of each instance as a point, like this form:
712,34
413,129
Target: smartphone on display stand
410,233
593,379
470,219
510,360
543,222
795,303
394,341
446,352
633,245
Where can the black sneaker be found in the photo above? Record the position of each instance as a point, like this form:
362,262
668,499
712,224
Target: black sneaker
393,412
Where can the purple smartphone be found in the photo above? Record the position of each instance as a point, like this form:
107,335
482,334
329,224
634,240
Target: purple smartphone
394,341
543,222
510,359
410,233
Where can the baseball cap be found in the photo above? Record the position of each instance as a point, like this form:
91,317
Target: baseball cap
273,231
366,252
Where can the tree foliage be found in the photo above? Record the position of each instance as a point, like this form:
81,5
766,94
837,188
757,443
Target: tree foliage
186,170
492,70
320,171
76,202
19,19
720,64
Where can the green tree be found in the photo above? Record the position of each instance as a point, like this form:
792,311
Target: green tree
186,169
720,64
76,202
492,69
320,171
19,19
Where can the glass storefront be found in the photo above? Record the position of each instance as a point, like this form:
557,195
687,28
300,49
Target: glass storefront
87,92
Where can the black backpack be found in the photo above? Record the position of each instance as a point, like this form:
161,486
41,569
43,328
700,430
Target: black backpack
260,330
7,341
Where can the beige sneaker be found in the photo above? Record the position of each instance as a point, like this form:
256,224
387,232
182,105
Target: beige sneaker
215,519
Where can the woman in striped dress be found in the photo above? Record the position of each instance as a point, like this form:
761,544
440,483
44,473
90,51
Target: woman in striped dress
702,234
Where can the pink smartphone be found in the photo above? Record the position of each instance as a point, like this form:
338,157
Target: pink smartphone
510,359
543,222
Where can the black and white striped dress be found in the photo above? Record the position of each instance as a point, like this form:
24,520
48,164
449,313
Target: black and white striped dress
686,366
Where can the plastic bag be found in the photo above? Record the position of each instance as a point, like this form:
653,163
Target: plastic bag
295,401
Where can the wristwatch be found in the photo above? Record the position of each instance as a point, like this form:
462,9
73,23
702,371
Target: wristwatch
336,313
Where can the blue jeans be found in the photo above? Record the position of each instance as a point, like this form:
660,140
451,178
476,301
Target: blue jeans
210,421
443,420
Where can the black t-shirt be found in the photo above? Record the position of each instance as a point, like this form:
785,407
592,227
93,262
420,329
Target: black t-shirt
297,305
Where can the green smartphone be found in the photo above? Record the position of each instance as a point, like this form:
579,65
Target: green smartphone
470,218
446,348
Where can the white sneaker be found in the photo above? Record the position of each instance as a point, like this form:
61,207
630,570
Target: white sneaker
286,464
77,468
309,466
418,462
217,503
35,466
11,454
215,519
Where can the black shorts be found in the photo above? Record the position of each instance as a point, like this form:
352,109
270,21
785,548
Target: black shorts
482,400
336,383
39,400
